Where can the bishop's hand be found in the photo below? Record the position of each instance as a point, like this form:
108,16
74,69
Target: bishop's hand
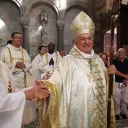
43,90
112,70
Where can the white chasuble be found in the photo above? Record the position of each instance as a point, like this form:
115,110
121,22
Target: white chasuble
11,110
44,66
78,93
11,105
6,79
10,55
36,74
22,77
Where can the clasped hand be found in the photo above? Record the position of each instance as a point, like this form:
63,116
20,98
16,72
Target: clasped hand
40,91
20,65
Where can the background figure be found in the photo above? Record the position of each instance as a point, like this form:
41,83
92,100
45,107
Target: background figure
19,62
115,56
61,52
42,49
52,56
104,57
6,80
36,74
121,88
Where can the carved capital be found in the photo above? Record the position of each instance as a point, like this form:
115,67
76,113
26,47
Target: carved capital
24,22
60,24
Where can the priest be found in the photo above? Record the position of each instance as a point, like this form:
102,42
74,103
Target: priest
36,74
49,61
19,62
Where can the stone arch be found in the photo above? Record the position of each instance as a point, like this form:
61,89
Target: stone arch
11,22
18,5
78,5
32,3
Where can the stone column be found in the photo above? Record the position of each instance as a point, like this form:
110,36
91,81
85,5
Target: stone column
60,44
25,25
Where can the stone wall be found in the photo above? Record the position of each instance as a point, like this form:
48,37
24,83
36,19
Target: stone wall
34,31
9,21
70,15
60,15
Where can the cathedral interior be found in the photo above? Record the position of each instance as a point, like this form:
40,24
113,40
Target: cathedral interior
45,21
49,21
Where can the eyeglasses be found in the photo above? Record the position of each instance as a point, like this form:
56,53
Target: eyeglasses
18,37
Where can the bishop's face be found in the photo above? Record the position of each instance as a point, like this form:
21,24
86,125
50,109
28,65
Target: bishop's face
84,42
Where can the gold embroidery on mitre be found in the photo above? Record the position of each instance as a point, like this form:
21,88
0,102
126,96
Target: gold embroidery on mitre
83,17
77,30
82,24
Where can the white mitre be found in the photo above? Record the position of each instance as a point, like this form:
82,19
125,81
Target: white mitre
82,24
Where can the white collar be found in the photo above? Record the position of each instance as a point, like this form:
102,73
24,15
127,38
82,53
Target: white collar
52,55
90,55
14,48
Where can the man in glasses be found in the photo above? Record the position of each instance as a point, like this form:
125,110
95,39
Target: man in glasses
17,60
19,63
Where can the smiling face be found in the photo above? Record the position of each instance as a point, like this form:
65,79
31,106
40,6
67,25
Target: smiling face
84,42
17,40
104,58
